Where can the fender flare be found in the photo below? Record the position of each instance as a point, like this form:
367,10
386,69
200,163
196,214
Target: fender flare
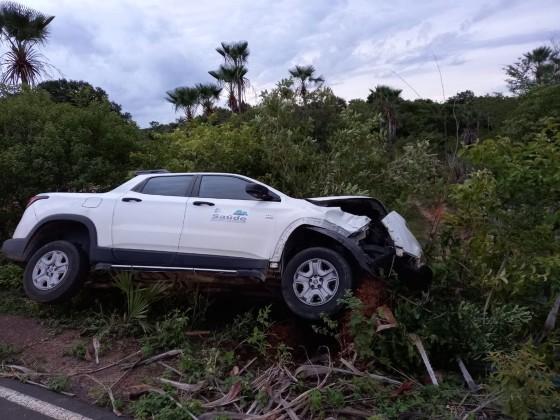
90,226
364,261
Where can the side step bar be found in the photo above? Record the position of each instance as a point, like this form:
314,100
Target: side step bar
255,274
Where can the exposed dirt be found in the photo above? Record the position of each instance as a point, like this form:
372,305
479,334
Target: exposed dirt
372,293
47,351
54,351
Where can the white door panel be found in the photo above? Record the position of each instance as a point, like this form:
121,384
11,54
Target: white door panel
234,228
153,223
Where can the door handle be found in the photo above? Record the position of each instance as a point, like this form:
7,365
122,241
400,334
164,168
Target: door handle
128,199
203,203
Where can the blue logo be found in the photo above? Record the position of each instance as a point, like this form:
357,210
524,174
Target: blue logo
240,213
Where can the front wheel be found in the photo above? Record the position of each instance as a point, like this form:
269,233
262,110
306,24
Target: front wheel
313,282
54,272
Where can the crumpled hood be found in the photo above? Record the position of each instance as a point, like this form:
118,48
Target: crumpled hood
350,212
349,222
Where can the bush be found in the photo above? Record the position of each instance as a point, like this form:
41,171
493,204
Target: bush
169,333
10,276
524,383
48,146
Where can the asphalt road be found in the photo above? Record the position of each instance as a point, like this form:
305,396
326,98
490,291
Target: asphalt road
22,401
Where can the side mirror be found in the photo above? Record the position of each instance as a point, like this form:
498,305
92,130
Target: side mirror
260,192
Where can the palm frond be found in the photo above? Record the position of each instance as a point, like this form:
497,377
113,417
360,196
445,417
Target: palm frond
235,53
22,63
186,98
138,300
22,24
208,90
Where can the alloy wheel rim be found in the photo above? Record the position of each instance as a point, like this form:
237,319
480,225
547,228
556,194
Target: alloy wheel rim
316,282
50,270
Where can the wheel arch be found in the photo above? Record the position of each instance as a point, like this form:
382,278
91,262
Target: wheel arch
307,236
77,229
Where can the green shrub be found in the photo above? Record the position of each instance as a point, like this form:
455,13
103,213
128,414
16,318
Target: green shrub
59,383
7,352
206,363
524,383
362,328
164,408
77,351
169,333
258,336
10,276
138,299
48,146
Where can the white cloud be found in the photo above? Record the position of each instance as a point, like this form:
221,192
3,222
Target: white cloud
136,50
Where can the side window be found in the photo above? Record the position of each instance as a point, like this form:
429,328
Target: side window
229,187
168,185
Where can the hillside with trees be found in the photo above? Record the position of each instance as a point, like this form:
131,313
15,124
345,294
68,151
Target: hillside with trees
478,177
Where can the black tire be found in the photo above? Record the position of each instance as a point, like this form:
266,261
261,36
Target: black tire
330,307
69,284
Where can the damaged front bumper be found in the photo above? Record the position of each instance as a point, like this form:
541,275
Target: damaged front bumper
408,265
403,239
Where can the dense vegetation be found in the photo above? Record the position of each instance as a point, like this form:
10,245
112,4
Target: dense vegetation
477,176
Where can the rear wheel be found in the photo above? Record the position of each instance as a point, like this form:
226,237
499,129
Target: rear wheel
54,272
314,280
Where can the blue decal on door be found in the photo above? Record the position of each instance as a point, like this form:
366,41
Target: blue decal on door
238,216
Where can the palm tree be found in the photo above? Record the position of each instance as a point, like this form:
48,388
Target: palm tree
306,77
22,29
233,72
235,53
543,62
208,94
385,99
226,76
537,67
185,98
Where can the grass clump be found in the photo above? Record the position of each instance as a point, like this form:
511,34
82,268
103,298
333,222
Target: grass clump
8,353
59,383
78,351
164,407
10,276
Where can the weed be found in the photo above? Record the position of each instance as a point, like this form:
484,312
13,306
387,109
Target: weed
524,383
316,401
101,397
59,383
262,398
77,351
443,401
284,354
362,328
7,352
364,387
323,400
138,299
206,363
328,327
334,397
240,328
198,306
163,407
258,337
10,276
168,333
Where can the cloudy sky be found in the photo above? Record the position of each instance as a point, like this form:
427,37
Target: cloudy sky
137,50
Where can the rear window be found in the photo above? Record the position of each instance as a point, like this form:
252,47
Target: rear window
177,186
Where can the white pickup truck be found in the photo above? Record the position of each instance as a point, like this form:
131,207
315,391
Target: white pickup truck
215,223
